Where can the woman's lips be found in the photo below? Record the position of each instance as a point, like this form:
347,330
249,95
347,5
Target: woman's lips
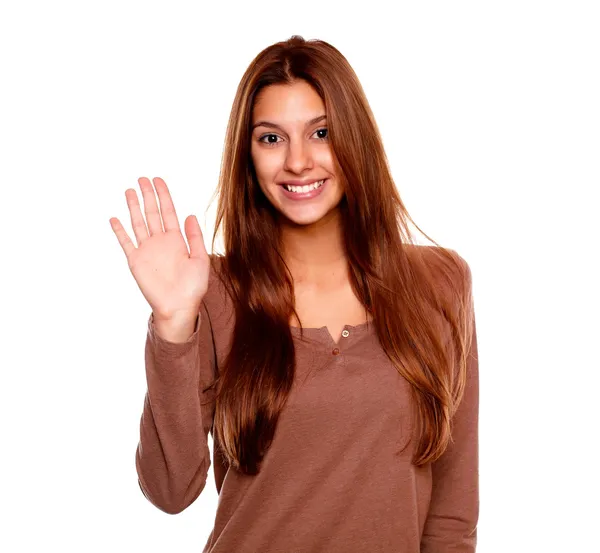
303,195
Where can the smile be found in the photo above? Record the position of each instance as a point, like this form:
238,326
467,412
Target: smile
305,192
304,189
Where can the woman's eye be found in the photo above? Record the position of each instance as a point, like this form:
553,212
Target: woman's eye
324,129
270,142
265,136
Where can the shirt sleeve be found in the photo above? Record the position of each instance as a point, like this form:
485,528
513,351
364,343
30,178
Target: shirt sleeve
451,524
172,457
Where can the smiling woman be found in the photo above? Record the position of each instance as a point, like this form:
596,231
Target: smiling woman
297,167
333,360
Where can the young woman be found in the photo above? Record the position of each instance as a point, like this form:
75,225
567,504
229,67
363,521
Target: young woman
333,359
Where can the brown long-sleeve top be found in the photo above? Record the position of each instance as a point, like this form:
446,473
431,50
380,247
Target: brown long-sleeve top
332,480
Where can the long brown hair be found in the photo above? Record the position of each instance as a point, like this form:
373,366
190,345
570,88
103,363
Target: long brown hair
412,305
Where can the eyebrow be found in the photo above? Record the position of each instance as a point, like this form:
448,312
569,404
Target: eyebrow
275,126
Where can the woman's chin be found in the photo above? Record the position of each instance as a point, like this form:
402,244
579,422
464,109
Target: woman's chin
305,217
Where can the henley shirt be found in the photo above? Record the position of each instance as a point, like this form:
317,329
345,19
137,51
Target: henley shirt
337,477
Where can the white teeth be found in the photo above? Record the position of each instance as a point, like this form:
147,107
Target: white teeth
306,188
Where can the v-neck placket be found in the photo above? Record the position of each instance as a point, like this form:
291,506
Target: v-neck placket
323,338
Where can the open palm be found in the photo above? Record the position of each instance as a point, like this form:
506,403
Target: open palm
172,280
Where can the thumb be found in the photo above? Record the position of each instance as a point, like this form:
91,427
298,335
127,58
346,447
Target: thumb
194,236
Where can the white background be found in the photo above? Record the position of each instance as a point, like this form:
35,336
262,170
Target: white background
490,117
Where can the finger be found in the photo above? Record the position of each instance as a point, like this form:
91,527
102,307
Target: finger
150,206
167,209
193,233
122,236
137,219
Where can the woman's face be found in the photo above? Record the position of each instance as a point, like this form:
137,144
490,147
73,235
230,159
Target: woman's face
289,142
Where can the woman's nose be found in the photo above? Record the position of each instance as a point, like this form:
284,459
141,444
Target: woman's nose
298,157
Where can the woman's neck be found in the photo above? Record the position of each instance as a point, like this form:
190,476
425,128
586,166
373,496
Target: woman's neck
315,254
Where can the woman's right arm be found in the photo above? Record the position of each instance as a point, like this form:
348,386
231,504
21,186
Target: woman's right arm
172,457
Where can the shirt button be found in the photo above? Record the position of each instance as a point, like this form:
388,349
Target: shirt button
335,351
345,333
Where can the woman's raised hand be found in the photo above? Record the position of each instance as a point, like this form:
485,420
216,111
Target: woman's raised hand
172,280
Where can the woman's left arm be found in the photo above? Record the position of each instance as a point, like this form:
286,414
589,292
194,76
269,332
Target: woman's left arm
451,524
